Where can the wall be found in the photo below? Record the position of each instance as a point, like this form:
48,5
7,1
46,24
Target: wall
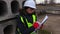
9,10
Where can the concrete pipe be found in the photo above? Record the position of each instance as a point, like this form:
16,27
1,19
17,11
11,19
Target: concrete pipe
3,8
14,6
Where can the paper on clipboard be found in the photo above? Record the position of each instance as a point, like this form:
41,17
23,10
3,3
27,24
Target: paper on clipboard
45,18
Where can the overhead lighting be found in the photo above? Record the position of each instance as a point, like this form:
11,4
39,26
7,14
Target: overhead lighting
56,1
40,1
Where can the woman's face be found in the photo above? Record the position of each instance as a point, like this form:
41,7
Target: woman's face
30,10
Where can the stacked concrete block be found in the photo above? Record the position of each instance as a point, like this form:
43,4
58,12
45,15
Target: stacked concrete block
48,9
8,27
53,12
9,10
53,9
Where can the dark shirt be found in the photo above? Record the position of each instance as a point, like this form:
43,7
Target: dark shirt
23,27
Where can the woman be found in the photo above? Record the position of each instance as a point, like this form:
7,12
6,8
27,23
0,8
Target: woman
27,21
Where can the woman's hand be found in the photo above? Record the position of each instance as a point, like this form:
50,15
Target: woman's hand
37,25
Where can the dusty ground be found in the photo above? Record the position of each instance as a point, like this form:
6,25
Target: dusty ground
52,24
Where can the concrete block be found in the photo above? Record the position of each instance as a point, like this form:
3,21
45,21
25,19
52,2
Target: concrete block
9,9
53,12
8,27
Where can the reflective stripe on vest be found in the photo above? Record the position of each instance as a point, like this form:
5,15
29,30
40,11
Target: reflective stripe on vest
28,23
18,30
22,19
34,18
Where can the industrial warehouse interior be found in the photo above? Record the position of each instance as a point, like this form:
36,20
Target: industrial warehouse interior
9,10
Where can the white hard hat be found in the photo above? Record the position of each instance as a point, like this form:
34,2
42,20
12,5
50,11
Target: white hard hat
30,3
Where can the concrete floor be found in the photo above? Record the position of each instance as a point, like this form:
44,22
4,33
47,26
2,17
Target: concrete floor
52,24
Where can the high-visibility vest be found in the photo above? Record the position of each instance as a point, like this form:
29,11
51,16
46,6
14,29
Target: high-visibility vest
28,23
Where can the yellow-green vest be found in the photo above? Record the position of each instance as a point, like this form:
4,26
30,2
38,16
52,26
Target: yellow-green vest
28,23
